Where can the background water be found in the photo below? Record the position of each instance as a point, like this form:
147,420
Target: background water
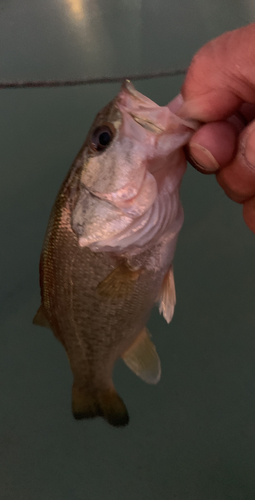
193,435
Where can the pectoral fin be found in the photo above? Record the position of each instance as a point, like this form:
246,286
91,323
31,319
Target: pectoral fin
40,319
142,358
119,283
167,297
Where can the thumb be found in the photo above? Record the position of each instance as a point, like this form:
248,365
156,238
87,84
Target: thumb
221,76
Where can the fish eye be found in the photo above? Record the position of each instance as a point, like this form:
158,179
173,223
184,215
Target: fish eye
101,138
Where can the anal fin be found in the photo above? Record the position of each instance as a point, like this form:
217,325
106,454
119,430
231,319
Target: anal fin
142,358
119,283
167,297
40,319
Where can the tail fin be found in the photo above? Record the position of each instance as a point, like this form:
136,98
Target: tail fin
105,404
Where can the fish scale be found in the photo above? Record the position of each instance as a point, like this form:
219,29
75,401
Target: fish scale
66,262
97,300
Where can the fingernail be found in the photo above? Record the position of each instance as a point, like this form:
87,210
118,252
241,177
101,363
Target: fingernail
250,148
188,110
176,103
181,112
203,157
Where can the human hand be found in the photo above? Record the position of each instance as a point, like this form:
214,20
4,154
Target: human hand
219,90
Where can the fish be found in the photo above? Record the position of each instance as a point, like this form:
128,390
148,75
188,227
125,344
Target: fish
108,252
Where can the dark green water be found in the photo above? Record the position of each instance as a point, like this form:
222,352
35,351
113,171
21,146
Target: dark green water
192,437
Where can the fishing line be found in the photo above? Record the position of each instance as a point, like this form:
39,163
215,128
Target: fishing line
89,81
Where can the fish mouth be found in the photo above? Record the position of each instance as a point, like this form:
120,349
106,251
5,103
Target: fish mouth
136,105
148,126
148,114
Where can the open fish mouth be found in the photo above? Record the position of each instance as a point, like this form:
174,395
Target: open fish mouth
128,95
148,114
130,191
147,127
140,108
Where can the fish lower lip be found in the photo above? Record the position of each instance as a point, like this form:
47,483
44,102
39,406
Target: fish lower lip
104,198
125,194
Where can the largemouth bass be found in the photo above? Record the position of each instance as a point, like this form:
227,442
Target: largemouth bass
108,252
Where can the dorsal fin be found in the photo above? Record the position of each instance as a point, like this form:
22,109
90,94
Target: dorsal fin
167,297
40,318
142,358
